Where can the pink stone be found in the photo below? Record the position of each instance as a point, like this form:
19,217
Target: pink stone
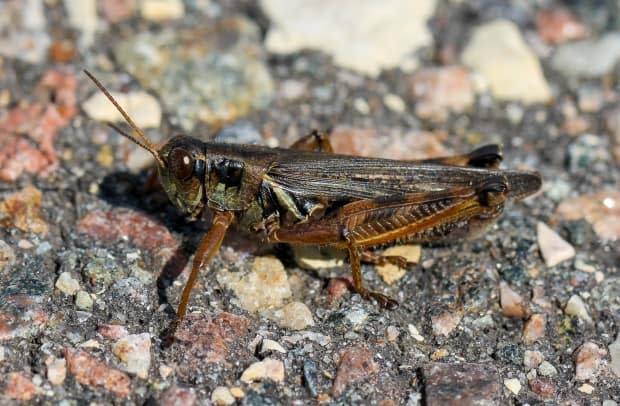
534,329
20,387
588,360
445,323
601,209
91,372
557,26
513,305
356,364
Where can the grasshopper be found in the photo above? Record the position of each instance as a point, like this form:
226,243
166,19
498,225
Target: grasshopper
307,194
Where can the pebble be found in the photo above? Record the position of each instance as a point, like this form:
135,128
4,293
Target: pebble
237,392
118,10
576,307
357,316
22,210
165,371
83,300
40,123
27,39
91,372
513,304
207,80
332,28
394,102
513,385
590,58
532,359
315,257
67,284
267,369
20,387
587,150
143,108
609,403
83,16
614,352
601,209
337,287
176,396
310,377
240,132
356,364
554,249
586,388
534,329
222,396
294,316
445,323
588,361
390,273
612,122
56,370
389,144
415,333
559,25
542,387
546,369
439,91
268,346
7,255
471,384
206,340
118,224
162,10
498,52
264,287
392,333
134,350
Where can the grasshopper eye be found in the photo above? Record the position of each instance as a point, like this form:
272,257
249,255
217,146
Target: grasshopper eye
181,164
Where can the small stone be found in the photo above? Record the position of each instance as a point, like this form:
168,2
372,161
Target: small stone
83,300
586,388
589,58
268,368
56,370
546,369
310,377
471,384
83,16
162,10
313,257
392,333
591,99
25,244
390,272
394,102
498,51
356,316
89,371
415,333
532,359
439,354
534,328
222,396
22,210
332,28
237,392
588,360
143,108
337,287
268,346
118,10
295,316
440,91
356,364
265,287
175,396
614,352
445,323
67,284
559,25
134,350
542,387
600,209
361,105
576,307
553,248
513,385
165,371
7,255
206,340
587,150
21,388
609,403
513,305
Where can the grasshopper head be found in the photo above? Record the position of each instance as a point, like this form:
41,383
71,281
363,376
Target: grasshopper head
181,162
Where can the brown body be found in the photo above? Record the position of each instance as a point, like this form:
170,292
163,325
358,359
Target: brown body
308,195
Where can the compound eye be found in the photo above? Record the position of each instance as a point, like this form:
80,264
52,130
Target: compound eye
181,164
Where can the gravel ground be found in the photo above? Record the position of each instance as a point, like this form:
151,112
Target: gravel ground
93,257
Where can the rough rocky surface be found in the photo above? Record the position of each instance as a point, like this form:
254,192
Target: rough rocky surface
93,257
